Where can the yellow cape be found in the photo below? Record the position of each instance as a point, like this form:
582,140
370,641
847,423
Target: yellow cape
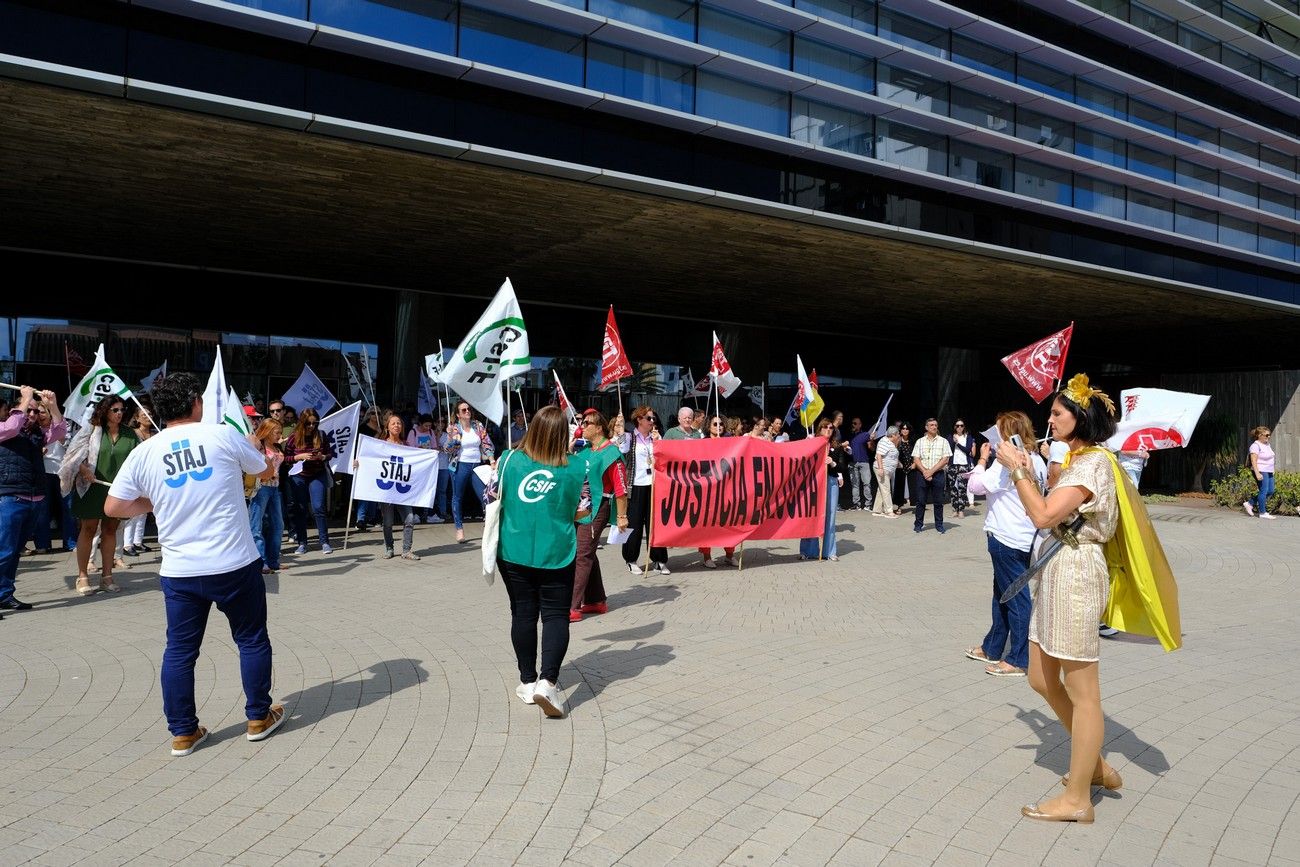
1143,594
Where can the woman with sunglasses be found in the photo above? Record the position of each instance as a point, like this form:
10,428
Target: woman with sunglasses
308,448
468,445
1262,461
644,437
603,458
109,442
904,465
959,468
717,429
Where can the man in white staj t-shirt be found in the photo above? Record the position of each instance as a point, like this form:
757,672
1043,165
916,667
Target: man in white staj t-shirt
190,477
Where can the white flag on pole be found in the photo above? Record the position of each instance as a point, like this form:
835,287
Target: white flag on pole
495,349
882,423
354,381
146,384
1155,418
425,403
99,382
720,370
340,432
433,363
234,414
216,394
388,473
309,391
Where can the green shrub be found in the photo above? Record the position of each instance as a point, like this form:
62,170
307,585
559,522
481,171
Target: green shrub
1232,491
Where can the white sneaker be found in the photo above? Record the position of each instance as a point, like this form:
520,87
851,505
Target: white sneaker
1107,631
634,569
549,699
709,564
730,561
525,692
1267,516
661,568
435,519
1250,509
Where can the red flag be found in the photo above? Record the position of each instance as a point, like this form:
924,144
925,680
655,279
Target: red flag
613,360
563,399
1040,365
720,370
77,366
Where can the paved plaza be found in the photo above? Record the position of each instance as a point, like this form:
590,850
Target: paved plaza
790,713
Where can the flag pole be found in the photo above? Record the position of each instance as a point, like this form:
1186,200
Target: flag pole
741,560
352,488
67,366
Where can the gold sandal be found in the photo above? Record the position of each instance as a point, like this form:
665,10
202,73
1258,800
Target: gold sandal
108,586
84,588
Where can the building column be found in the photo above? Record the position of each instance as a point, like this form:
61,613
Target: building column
417,321
955,367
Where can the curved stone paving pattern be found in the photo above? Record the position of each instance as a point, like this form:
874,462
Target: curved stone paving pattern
792,713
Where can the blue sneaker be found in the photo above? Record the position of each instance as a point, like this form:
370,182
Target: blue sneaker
326,549
301,549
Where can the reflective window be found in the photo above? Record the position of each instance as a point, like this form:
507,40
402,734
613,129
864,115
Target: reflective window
1276,243
913,32
1284,163
912,88
1276,202
986,112
1203,44
430,25
986,58
1194,176
637,76
290,8
1152,22
748,105
1240,190
1196,222
1150,210
1151,163
521,46
979,165
56,341
1235,145
1238,233
819,60
914,148
674,17
745,37
1045,79
1045,130
1100,147
1244,63
1101,99
1200,134
831,127
858,14
1047,183
1274,76
1151,116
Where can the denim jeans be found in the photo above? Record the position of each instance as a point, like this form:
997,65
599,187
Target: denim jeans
241,596
16,519
310,496
366,512
40,534
1010,620
1265,491
265,509
928,491
463,477
538,592
810,548
442,499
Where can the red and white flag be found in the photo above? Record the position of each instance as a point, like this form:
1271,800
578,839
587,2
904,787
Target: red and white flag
569,412
1155,418
693,387
613,359
720,370
1039,366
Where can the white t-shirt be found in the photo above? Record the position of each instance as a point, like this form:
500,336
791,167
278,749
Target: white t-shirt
1006,518
642,473
192,475
471,448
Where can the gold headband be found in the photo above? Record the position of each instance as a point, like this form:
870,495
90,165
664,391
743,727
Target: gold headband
1079,391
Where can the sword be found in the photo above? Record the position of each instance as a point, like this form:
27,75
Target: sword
1062,535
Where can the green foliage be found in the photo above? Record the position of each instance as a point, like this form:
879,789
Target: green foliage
1214,444
1158,498
1232,491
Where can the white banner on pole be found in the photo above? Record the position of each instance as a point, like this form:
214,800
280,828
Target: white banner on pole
309,391
495,349
340,431
389,473
99,382
216,394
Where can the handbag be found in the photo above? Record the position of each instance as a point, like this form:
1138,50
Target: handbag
492,528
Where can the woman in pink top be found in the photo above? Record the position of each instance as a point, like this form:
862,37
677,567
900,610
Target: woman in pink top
1261,462
264,507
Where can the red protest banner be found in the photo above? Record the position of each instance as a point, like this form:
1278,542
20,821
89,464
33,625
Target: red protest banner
720,492
613,359
1038,366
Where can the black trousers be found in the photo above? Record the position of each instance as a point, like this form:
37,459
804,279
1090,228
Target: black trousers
638,521
932,491
538,592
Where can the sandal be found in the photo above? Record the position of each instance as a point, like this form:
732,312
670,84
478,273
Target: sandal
119,563
977,654
1004,669
410,555
108,586
84,587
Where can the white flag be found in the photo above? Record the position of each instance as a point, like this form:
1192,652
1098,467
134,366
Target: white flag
424,400
882,423
433,363
720,370
389,473
99,382
1155,418
340,432
309,391
353,380
153,376
216,394
365,372
234,414
496,348
694,388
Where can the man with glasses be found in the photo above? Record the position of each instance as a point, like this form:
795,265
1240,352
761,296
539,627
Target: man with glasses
930,456
22,480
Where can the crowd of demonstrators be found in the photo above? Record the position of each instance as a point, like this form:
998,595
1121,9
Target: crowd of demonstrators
310,480
540,488
604,461
1010,534
468,446
1261,465
192,480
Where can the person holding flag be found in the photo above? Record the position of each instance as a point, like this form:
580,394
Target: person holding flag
468,446
94,457
22,480
310,479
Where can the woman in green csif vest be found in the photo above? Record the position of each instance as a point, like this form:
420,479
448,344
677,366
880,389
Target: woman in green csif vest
540,486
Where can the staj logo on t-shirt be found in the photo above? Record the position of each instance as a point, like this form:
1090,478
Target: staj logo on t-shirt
182,465
394,472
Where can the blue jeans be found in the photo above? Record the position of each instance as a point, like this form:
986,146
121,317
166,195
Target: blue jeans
1012,619
1265,491
310,496
462,478
365,512
241,596
826,546
264,509
441,501
16,519
932,491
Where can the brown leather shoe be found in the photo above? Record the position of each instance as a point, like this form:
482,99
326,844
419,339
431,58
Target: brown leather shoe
1108,779
261,729
1083,817
183,745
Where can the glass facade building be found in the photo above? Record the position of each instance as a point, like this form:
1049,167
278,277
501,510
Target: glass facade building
1158,138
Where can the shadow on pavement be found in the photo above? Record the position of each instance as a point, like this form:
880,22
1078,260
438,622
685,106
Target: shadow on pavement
348,693
644,594
608,663
1052,735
